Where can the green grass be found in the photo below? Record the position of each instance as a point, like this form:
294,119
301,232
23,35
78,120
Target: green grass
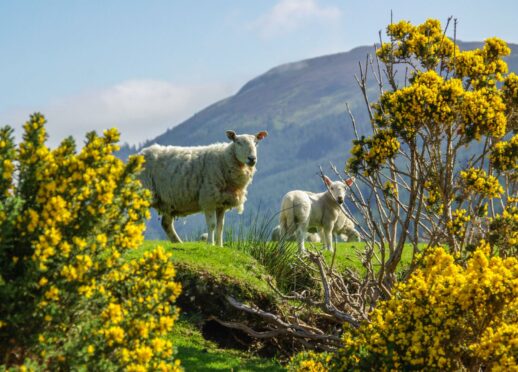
237,266
198,354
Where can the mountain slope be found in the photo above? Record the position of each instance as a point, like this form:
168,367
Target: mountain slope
302,105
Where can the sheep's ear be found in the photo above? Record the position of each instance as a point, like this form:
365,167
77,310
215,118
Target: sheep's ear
327,180
261,135
231,135
349,182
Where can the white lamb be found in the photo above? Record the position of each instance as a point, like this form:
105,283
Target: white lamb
301,210
210,179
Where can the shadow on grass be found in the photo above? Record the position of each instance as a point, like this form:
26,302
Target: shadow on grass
196,359
199,354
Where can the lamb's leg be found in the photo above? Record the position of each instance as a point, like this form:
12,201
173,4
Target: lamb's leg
220,217
301,236
288,229
210,218
321,234
328,237
168,226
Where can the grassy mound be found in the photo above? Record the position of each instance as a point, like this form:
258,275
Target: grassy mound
209,273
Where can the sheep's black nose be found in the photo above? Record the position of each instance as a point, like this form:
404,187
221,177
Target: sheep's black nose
340,200
251,160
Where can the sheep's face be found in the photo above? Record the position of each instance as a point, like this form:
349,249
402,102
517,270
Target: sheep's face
245,146
338,189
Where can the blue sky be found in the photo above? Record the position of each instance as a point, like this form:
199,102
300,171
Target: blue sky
145,66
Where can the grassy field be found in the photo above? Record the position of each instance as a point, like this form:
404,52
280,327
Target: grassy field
346,256
236,264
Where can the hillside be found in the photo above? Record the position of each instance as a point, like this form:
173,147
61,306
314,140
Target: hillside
302,106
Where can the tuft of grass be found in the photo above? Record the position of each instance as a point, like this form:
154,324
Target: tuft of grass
198,354
281,260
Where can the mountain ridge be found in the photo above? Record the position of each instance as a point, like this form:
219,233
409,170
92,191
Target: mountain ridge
302,105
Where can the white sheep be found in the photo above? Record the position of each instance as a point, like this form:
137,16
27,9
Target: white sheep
344,228
276,233
301,210
312,237
210,179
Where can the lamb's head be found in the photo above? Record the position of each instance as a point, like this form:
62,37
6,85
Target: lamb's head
338,189
245,146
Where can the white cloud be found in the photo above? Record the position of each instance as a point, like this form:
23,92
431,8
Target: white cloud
140,109
288,15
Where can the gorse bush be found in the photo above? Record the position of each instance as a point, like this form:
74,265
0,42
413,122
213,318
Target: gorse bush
447,316
426,129
68,298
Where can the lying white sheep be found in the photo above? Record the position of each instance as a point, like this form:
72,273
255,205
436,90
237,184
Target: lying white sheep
344,228
312,237
276,233
301,210
210,179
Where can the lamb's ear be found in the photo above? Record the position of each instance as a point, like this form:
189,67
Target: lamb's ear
231,135
259,136
349,182
327,180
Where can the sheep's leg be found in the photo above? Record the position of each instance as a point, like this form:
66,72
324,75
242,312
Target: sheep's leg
220,217
210,218
301,235
168,226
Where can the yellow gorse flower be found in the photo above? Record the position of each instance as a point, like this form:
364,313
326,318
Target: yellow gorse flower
478,181
504,156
